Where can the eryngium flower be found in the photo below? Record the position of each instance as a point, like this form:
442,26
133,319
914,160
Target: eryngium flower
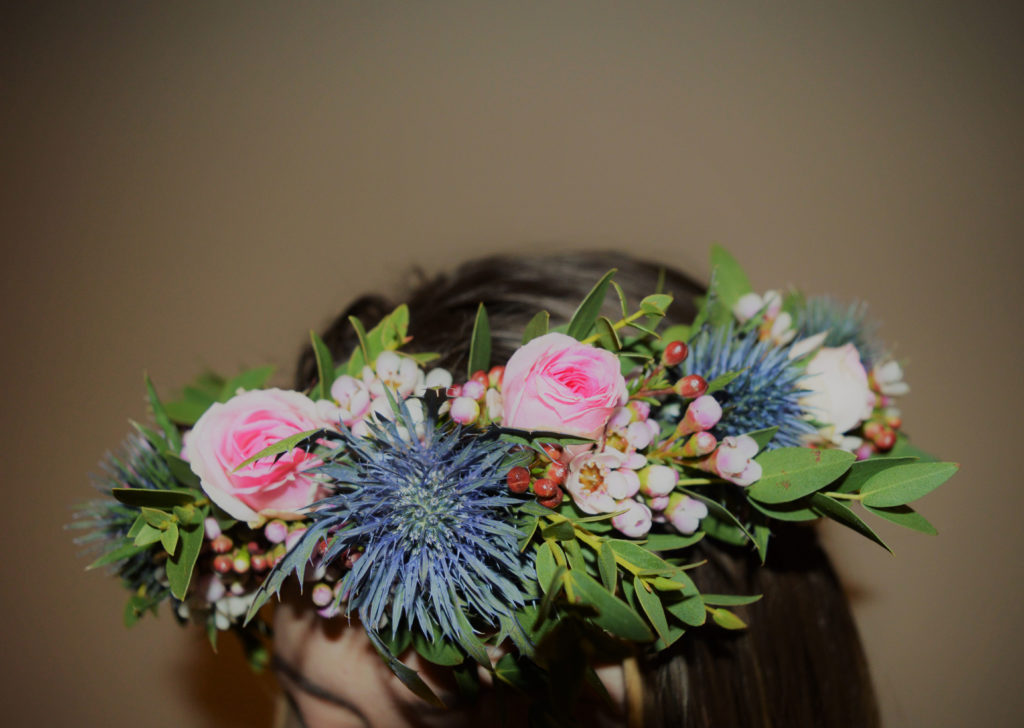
764,394
135,465
845,324
435,526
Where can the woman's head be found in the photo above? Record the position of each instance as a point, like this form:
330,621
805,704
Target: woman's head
801,662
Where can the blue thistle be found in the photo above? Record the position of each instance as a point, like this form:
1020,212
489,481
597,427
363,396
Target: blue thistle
435,525
765,393
846,324
136,465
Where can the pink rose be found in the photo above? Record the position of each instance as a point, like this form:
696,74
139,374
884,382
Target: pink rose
555,383
230,433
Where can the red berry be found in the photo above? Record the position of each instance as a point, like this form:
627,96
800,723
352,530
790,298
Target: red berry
222,544
691,386
554,501
553,450
544,488
223,564
481,376
872,429
454,391
885,440
674,353
518,479
555,472
259,562
894,421
496,375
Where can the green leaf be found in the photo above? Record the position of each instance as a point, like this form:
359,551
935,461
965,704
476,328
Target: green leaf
545,565
722,514
409,677
798,510
727,620
153,498
674,633
607,334
324,368
623,303
722,381
730,600
169,538
905,483
656,304
161,418
843,514
438,652
793,472
280,447
762,534
613,614
730,284
574,554
551,591
538,326
690,611
122,552
676,332
651,604
181,470
904,516
147,536
157,518
181,564
247,380
561,531
479,344
670,541
607,567
364,349
636,558
862,471
583,319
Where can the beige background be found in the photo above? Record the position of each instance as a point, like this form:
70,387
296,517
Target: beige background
199,185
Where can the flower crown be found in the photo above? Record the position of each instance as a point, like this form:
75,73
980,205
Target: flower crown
555,494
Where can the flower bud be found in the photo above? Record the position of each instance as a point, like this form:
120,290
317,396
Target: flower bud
685,513
474,389
465,410
241,561
276,531
495,375
691,386
699,445
657,480
702,414
211,528
322,595
635,522
674,353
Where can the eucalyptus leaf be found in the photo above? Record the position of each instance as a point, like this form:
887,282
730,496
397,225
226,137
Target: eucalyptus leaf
545,565
651,604
843,514
324,368
690,610
656,304
730,284
479,344
607,567
181,564
438,652
905,483
152,497
409,677
561,531
613,614
538,326
608,336
636,558
793,472
169,538
862,471
670,541
730,600
904,516
586,314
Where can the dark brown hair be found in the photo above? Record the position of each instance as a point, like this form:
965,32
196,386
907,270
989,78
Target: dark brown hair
801,663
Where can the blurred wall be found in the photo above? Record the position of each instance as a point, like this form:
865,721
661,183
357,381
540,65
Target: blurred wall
199,184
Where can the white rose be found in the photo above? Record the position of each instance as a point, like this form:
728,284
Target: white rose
839,398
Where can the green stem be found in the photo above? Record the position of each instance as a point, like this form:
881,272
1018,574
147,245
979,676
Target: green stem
845,496
620,324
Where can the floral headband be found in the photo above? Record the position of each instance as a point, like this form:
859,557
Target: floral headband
550,497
